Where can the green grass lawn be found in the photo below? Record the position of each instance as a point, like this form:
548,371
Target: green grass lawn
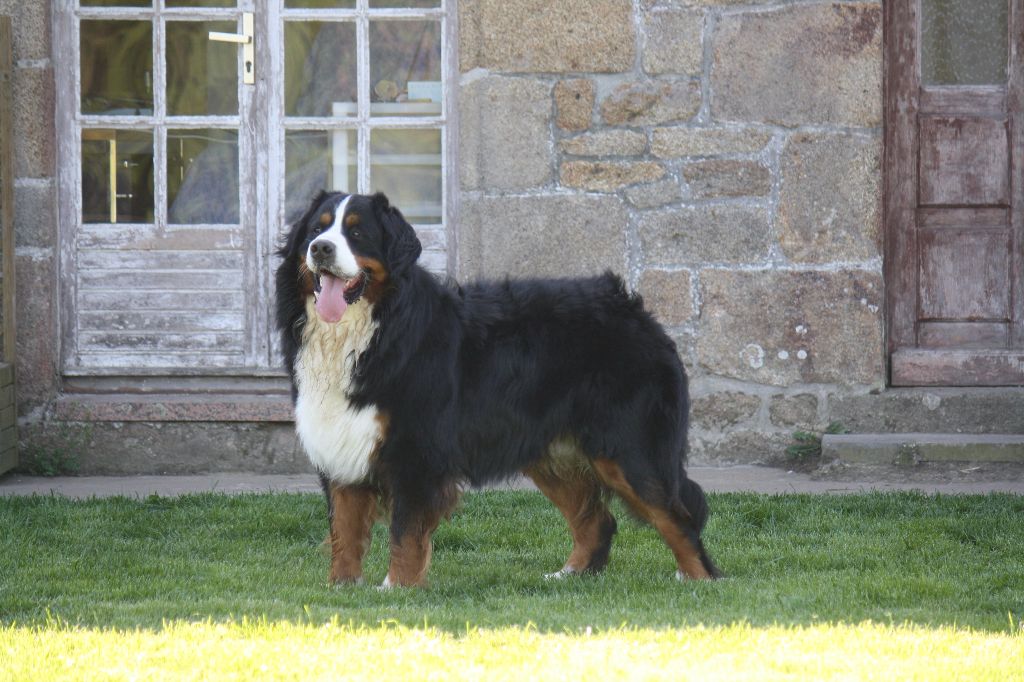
890,585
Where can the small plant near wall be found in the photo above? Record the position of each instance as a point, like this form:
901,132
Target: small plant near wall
807,444
55,453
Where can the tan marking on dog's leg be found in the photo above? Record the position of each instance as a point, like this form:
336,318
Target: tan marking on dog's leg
354,509
410,555
687,556
591,525
411,552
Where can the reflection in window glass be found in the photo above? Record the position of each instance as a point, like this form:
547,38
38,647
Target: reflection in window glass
964,43
320,4
202,3
117,176
202,75
405,3
117,3
117,67
202,176
320,67
316,160
405,68
406,165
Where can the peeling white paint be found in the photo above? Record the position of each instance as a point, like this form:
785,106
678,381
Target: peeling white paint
931,401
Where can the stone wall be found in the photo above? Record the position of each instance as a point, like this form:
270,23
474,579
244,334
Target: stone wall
724,155
35,203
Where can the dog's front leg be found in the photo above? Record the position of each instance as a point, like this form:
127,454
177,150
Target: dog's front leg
416,513
353,509
411,546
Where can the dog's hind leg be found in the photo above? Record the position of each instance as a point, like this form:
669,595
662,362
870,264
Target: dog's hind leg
679,531
579,496
352,510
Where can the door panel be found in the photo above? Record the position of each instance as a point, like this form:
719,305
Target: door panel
964,275
964,160
959,335
953,151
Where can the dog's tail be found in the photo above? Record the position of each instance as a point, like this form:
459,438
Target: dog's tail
692,497
694,501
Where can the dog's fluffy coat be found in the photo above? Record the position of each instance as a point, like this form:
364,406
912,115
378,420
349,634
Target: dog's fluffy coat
424,386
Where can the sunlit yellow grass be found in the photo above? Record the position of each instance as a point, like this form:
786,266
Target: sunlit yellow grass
281,650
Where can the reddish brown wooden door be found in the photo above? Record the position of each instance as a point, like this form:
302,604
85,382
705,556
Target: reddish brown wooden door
954,147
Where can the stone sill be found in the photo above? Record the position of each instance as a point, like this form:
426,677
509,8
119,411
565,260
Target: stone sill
174,408
912,448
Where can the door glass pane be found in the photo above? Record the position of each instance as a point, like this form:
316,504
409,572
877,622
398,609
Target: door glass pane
963,43
117,176
320,68
405,3
116,3
405,68
406,165
202,75
202,176
321,4
117,67
202,3
316,160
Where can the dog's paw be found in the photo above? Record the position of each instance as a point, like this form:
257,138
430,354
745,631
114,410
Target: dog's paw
560,574
683,578
386,585
345,582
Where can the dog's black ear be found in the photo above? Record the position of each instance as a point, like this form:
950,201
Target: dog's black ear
298,230
401,245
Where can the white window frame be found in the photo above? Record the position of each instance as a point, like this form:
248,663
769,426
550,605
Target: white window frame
438,255
263,169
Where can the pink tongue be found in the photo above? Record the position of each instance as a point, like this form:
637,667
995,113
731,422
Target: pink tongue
330,302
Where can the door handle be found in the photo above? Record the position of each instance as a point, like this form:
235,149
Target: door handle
245,39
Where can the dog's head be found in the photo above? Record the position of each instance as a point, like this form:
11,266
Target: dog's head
350,246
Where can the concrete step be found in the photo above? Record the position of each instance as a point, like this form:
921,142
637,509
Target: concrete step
914,448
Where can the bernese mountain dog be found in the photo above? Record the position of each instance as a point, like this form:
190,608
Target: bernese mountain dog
407,388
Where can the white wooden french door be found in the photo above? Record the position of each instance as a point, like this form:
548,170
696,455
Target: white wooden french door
191,131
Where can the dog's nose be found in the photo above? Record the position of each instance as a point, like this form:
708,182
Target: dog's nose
321,250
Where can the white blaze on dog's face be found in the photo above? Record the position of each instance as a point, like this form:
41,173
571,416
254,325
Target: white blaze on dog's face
330,258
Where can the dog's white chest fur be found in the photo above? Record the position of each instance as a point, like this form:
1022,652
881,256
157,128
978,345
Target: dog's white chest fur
339,438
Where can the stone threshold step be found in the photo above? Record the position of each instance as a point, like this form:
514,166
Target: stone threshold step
158,407
913,448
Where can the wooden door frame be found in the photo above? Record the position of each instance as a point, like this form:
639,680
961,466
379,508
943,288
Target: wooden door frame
8,392
70,123
908,364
